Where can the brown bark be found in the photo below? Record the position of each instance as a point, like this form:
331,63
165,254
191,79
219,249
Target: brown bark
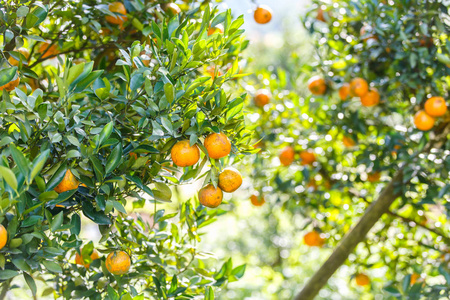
353,238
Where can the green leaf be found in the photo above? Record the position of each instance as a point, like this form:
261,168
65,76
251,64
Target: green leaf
114,159
209,294
38,164
105,133
8,274
52,266
9,177
21,264
57,177
238,272
162,192
169,91
117,205
74,72
7,74
36,16
57,221
30,282
20,160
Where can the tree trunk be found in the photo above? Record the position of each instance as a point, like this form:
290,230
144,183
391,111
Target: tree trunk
353,238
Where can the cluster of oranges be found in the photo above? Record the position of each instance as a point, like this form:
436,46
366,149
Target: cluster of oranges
287,156
358,87
217,146
434,107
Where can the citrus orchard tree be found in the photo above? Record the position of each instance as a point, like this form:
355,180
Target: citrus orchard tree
359,140
105,106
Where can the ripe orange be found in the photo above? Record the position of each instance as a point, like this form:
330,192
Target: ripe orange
68,183
183,155
312,185
348,142
218,145
362,279
47,49
171,8
79,260
320,15
118,262
426,41
435,107
287,156
359,87
3,236
210,196
117,8
257,200
263,14
307,157
423,121
374,177
344,91
262,98
372,98
212,72
24,52
10,86
415,278
313,239
230,180
216,29
317,86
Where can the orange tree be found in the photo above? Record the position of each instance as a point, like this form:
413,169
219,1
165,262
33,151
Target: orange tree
351,149
95,95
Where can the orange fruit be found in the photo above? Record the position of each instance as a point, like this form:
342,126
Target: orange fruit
344,91
423,121
313,239
218,145
262,98
79,259
117,8
118,262
171,8
3,236
287,156
257,200
183,155
374,177
68,183
263,14
348,142
372,98
259,145
307,157
320,15
317,86
10,86
435,107
210,196
426,41
359,87
415,278
362,279
216,29
230,180
47,49
212,72
24,52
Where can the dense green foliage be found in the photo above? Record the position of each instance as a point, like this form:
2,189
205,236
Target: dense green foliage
108,104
